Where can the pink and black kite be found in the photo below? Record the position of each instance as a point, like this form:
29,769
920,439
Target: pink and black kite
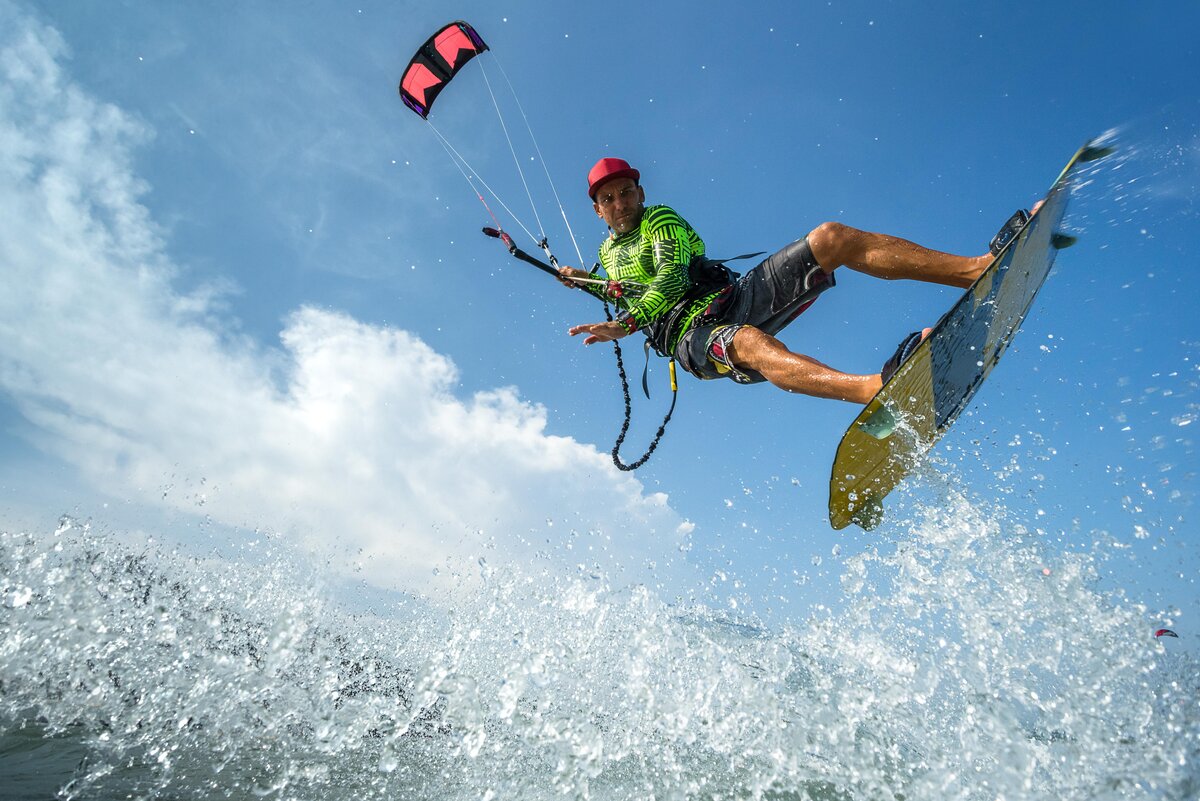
436,62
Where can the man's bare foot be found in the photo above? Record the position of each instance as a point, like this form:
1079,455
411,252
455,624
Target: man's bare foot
985,261
907,346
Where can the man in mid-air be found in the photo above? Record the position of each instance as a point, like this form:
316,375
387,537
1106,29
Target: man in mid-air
717,327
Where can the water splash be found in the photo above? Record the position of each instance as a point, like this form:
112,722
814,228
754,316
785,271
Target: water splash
967,663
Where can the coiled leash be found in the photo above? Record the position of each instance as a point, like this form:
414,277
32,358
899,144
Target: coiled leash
662,429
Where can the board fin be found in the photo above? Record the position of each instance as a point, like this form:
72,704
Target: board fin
881,424
1061,241
869,513
1092,152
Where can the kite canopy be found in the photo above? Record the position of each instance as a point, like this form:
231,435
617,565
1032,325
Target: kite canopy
436,62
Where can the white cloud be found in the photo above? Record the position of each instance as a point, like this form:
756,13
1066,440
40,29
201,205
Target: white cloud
350,432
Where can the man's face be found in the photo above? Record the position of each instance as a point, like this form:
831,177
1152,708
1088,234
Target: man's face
620,203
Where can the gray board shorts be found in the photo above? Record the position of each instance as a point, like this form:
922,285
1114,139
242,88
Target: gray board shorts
769,297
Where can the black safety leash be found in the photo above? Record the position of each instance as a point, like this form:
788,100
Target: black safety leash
616,456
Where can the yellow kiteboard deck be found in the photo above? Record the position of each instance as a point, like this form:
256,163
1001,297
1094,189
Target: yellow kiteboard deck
924,397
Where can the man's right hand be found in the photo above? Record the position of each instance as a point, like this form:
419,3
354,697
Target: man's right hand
567,273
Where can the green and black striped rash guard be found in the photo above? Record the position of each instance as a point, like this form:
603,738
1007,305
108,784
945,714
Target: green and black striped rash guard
656,255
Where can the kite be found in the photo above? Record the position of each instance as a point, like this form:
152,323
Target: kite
436,62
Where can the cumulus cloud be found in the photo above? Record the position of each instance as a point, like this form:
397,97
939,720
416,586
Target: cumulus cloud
342,432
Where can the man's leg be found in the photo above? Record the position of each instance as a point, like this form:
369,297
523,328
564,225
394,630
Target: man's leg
752,349
835,245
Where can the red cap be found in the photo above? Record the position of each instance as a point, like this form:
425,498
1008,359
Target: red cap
608,169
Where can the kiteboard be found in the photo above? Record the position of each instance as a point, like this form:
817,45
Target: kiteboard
924,397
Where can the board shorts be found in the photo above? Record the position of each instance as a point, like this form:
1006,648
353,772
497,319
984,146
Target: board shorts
769,297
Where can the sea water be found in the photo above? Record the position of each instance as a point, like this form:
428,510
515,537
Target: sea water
964,663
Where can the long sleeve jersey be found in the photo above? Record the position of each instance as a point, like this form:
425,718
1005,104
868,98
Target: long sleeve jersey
656,255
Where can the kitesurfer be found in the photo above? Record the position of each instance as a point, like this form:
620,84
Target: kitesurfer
716,327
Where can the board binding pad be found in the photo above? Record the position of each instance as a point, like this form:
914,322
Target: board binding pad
893,433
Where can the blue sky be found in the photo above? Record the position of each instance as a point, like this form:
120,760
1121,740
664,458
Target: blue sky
244,288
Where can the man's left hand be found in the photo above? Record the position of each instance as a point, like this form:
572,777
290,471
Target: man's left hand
599,332
565,274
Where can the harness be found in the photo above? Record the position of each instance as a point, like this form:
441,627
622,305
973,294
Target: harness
707,276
